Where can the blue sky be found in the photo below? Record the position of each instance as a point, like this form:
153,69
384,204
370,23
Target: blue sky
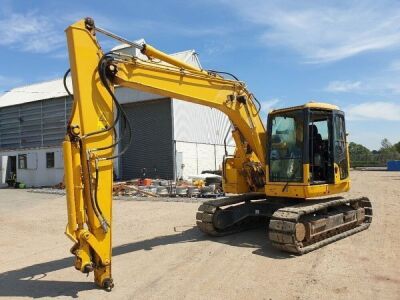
288,52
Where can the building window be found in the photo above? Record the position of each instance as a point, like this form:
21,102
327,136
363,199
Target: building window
50,160
22,161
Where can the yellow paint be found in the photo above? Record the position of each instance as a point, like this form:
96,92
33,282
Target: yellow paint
199,87
93,110
315,105
69,180
304,190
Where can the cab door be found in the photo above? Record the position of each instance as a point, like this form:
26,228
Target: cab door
320,153
340,149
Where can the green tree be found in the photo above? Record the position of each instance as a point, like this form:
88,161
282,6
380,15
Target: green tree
358,150
388,151
386,144
359,154
397,146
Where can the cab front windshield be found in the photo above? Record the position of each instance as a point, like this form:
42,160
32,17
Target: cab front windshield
286,147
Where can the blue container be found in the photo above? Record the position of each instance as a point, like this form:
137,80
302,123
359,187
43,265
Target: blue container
393,165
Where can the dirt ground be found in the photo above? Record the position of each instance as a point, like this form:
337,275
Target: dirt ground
159,254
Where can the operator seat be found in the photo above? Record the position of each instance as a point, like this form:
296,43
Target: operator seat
315,139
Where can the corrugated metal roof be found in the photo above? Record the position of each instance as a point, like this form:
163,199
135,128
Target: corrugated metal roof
55,88
35,92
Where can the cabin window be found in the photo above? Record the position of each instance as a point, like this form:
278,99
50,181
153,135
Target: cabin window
340,147
286,150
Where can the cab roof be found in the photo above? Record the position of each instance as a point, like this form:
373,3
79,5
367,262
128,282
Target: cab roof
311,104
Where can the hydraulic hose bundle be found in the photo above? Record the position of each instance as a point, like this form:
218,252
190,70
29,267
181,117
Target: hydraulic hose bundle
104,73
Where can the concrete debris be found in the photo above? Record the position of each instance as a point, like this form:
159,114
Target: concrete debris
204,186
124,188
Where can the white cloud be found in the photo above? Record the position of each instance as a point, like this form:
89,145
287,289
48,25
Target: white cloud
324,31
379,110
216,47
394,65
30,33
60,55
191,31
267,106
343,86
7,82
381,84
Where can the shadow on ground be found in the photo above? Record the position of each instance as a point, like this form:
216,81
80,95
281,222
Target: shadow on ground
30,281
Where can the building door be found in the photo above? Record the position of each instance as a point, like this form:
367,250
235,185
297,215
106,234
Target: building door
13,164
10,169
151,147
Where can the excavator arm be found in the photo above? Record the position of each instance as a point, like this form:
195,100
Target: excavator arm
245,172
91,136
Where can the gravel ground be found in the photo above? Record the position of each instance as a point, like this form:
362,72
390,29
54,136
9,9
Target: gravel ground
159,253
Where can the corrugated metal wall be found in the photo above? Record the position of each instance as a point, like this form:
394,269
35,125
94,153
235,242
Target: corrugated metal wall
200,124
197,158
152,141
34,124
30,117
9,128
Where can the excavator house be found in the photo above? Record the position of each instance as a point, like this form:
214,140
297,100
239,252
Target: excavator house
292,175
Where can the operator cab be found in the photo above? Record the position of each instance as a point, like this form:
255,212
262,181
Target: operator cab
307,145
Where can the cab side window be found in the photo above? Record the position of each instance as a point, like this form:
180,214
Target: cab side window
340,146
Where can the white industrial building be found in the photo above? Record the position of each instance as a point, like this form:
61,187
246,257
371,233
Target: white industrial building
171,138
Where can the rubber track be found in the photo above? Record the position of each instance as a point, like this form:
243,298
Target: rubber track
283,223
207,210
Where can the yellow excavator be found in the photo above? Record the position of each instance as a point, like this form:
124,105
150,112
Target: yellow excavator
289,175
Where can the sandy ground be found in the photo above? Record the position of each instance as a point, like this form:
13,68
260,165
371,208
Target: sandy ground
159,254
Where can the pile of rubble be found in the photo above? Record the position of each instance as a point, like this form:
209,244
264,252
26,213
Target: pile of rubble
205,185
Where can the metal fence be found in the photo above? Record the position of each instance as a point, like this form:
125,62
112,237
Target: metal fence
372,159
